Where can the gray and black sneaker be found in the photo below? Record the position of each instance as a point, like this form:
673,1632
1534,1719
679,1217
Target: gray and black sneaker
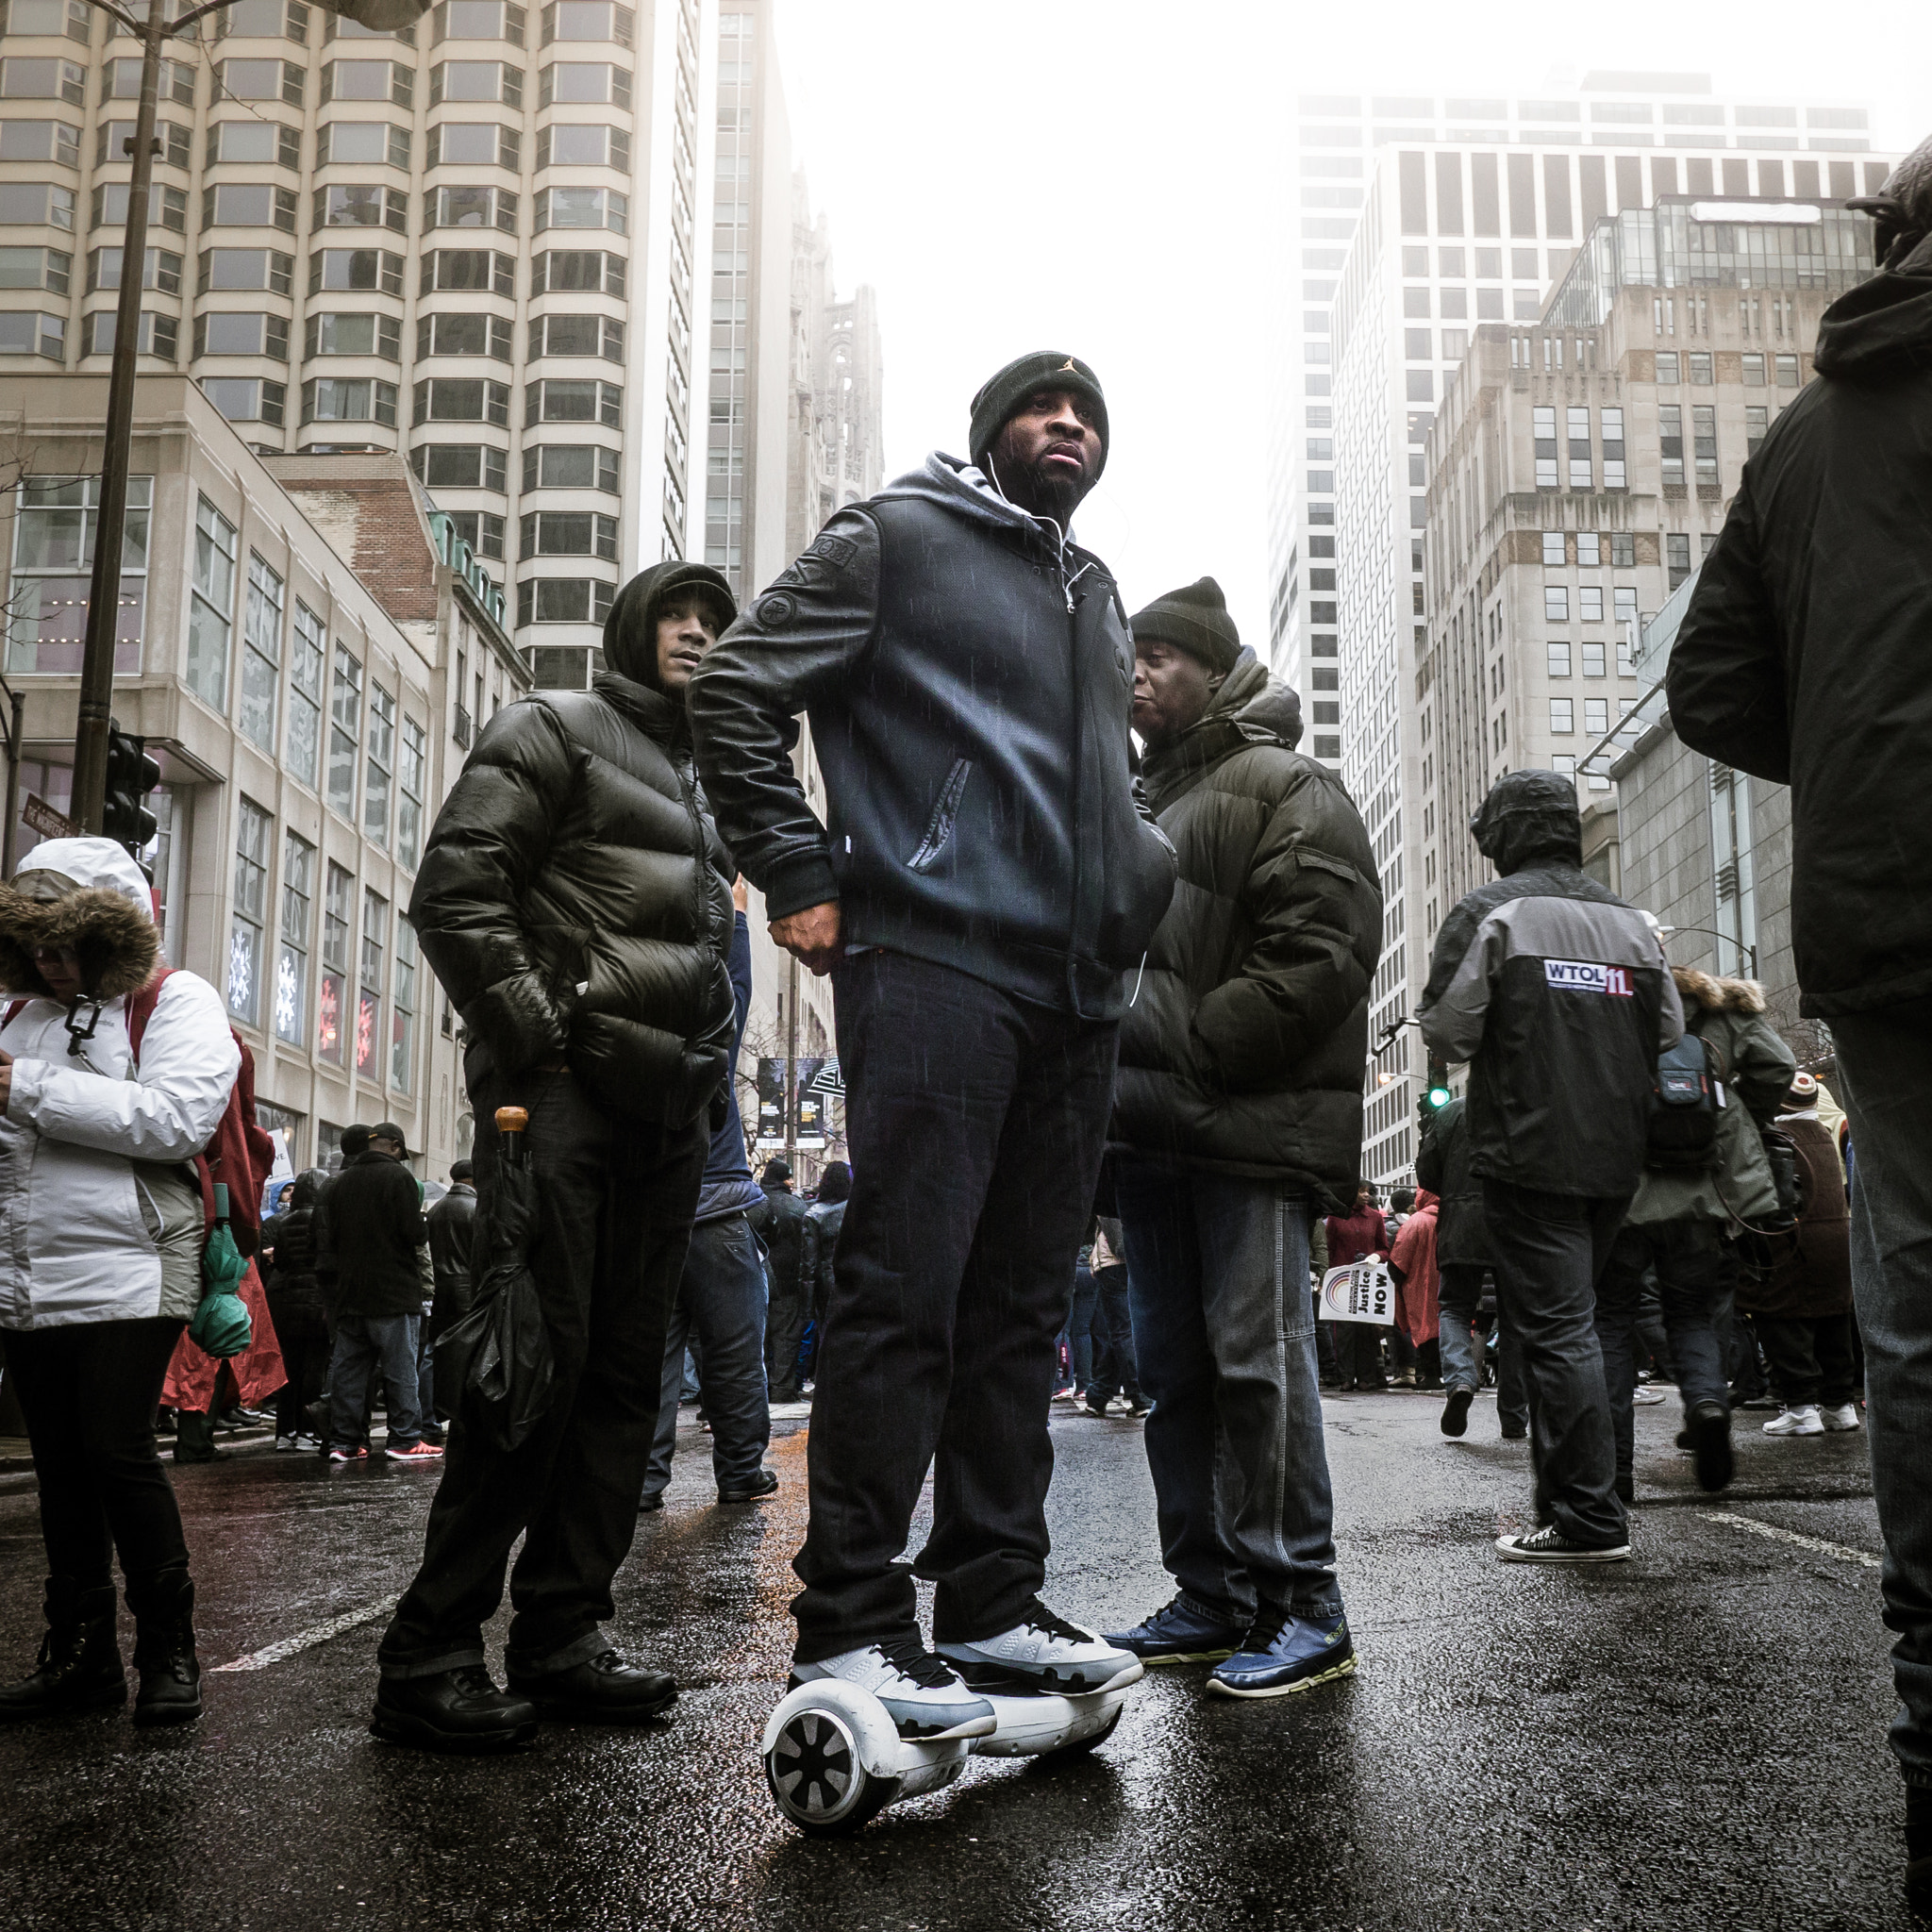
920,1692
1550,1545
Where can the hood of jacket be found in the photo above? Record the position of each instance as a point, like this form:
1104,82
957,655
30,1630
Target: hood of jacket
1529,816
1882,328
1251,708
86,894
1718,995
630,632
308,1186
966,491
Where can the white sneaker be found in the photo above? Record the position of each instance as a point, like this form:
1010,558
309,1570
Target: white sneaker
1043,1652
1643,1395
1844,1417
284,1442
1797,1421
921,1694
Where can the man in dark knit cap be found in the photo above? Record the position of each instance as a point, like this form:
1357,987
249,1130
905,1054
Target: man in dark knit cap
981,883
1238,1115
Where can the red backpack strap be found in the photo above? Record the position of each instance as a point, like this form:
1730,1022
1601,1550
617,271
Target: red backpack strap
141,1009
14,1011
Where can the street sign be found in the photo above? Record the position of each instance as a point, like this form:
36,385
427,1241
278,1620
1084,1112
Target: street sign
771,1103
1360,1292
45,819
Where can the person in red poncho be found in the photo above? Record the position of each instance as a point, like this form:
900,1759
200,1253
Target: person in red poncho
1412,1266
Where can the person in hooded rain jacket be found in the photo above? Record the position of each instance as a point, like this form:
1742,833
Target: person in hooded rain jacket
1802,658
294,1304
1556,994
982,882
576,903
101,1231
1238,1113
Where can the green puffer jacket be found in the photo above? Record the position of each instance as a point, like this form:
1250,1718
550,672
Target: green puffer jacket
1756,1068
1242,1049
575,899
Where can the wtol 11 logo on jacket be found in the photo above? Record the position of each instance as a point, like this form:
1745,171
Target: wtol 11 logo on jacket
1584,975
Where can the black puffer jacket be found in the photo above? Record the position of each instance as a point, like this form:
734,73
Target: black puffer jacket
1803,657
452,1236
969,679
575,900
780,1220
294,1292
1441,1165
1242,1050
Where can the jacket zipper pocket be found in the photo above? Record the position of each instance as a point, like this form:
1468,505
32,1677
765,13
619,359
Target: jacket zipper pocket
945,813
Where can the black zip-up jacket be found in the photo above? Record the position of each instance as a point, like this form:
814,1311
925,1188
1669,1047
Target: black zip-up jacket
1556,994
1243,1048
969,679
452,1233
375,1220
575,899
781,1219
1805,656
1441,1165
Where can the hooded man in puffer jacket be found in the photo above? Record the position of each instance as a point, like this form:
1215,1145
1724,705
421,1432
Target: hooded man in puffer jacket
576,903
101,1238
1557,995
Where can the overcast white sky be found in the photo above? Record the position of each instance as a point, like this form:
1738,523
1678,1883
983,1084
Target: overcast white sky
1107,177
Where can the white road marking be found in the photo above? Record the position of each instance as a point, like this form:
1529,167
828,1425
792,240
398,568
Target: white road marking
307,1640
1791,1536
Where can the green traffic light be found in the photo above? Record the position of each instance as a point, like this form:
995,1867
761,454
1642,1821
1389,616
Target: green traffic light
1438,1096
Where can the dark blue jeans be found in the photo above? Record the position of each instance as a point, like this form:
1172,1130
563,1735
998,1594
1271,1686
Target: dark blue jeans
976,1122
366,1345
1115,1363
1080,1328
1218,1271
722,1300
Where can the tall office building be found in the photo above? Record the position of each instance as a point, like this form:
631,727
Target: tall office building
1475,227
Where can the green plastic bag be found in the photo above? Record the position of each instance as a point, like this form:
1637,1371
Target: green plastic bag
220,1323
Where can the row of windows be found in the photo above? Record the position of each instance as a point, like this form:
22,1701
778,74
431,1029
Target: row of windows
459,20
1589,603
1591,651
547,466
477,399
1576,426
1596,717
1590,549
1670,363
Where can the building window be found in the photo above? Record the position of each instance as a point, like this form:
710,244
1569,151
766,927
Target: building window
1753,371
583,147
1596,717
1703,443
403,1008
1626,651
469,333
572,466
239,204
584,80
577,335
411,786
371,80
1590,604
369,269
476,81
212,606
463,399
1559,651
587,20
1554,558
364,143
1592,660
23,332
1670,424
46,80
1788,371
369,999
113,140
582,208
469,271
247,398
461,465
240,332
562,600
253,830
261,80
1544,427
54,528
348,399
365,333
568,533
475,145
305,695
476,19
52,268
1555,604
1589,550
570,269
1626,602
381,766
467,205
1757,419
1580,472
155,335
33,204
329,1007
1667,369
292,963
1700,368
261,655
1678,556
176,82
356,205
1563,718
575,399
479,529
267,269
345,732
1623,553
1615,476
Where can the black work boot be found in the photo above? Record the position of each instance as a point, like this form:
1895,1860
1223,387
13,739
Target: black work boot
1709,1429
163,1606
601,1689
194,1437
460,1709
1919,1849
79,1667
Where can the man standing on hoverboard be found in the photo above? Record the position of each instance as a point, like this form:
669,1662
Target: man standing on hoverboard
984,878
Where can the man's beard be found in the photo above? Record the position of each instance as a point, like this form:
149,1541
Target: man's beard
1052,492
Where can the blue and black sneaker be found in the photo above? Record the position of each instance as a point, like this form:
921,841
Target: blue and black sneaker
1182,1633
1283,1653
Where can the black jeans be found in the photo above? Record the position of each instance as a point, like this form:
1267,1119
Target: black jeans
617,1198
1810,1357
722,1300
89,1390
1358,1355
976,1124
784,1319
305,1360
1549,1251
1114,1369
1461,1355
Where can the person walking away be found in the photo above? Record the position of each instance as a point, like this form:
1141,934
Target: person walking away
294,1305
1412,1268
982,882
721,1298
1462,1261
778,1218
1116,1362
1797,1287
452,1225
1238,1111
576,904
1556,994
827,1216
100,1267
1360,1234
1680,1216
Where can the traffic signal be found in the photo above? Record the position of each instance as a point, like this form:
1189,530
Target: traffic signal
131,776
1436,1096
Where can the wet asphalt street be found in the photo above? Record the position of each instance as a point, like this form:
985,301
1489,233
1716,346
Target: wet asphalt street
1694,1739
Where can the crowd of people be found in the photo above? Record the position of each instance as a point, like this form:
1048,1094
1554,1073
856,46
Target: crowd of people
1102,942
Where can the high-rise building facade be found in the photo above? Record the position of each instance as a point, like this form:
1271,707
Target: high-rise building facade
1450,237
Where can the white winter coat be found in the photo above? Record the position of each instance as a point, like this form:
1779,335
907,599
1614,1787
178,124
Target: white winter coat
75,1245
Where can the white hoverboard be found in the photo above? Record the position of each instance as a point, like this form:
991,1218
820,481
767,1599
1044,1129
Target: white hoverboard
835,1759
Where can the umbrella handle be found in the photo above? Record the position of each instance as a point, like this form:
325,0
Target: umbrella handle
511,1121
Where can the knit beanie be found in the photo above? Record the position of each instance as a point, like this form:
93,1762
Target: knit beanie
999,401
1195,619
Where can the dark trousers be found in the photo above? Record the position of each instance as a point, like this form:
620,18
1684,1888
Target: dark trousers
976,1122
721,1299
89,1391
1685,1256
1358,1355
1548,1253
1810,1357
305,1360
1080,1330
1114,1369
1461,1355
782,1321
617,1196
368,1346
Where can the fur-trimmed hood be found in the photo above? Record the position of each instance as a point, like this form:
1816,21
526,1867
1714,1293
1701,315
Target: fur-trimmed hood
87,893
1719,995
